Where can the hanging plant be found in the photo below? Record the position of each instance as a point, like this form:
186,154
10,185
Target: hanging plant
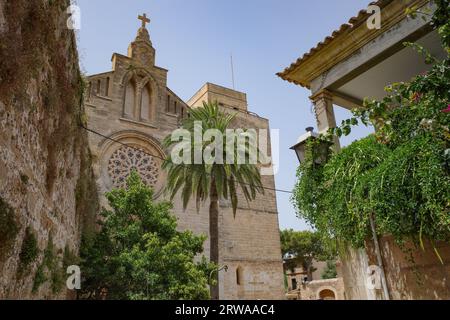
400,175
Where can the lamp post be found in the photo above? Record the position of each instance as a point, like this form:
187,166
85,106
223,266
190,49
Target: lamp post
320,151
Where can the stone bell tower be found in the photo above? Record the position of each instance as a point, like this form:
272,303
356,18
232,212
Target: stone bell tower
141,49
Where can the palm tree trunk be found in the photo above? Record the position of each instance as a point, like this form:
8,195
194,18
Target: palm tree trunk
310,273
214,237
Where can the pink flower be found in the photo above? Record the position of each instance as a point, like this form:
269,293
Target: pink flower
416,97
447,110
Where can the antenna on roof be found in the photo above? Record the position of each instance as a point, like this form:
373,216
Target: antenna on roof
232,72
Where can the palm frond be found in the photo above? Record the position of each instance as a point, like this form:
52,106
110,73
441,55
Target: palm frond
196,179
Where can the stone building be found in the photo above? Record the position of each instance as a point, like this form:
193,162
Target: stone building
133,105
302,287
353,63
326,289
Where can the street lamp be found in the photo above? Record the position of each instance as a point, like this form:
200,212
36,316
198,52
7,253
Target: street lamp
299,148
320,152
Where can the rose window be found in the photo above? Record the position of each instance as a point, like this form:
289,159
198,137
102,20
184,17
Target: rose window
124,160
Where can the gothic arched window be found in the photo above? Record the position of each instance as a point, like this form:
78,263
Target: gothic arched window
107,86
99,86
239,276
130,100
145,103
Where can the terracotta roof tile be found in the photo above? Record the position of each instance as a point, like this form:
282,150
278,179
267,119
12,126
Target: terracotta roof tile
362,16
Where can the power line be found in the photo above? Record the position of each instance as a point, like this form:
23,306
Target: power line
161,158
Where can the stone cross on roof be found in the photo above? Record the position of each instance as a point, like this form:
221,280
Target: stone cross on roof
144,19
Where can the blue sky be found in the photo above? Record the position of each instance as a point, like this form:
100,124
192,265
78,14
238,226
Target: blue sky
194,40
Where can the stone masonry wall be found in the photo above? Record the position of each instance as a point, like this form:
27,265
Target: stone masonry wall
413,273
47,191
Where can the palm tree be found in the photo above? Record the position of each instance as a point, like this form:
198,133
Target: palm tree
219,179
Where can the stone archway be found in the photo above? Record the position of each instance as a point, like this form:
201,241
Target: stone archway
326,293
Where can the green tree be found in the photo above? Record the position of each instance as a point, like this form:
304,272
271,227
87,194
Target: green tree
301,248
330,271
214,179
139,254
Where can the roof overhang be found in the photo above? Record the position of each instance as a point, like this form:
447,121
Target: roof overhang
401,66
349,40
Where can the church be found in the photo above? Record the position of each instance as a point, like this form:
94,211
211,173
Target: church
130,110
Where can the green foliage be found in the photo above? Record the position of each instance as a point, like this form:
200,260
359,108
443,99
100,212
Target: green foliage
52,264
139,254
39,278
50,269
220,176
24,178
69,258
328,195
409,192
285,281
441,20
400,175
301,248
330,270
29,251
8,226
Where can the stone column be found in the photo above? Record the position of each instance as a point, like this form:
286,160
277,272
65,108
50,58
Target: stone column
323,103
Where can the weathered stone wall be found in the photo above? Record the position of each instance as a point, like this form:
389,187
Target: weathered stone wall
354,272
413,273
47,191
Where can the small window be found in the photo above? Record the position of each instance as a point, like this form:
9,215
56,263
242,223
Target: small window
294,284
107,87
175,107
239,276
168,104
130,100
99,86
89,90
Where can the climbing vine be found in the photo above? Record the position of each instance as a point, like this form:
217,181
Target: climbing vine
8,228
400,175
29,251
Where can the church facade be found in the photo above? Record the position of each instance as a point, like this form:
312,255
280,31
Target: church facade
131,110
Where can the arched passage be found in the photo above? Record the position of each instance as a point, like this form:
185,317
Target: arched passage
146,103
326,294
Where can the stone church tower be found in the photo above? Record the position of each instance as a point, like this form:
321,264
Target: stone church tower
133,105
